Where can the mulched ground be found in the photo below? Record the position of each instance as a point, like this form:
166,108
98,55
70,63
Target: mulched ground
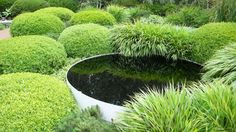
4,34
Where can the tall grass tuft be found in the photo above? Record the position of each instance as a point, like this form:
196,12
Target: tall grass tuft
222,65
200,107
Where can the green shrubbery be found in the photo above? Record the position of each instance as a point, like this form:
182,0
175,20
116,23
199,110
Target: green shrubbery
85,40
5,4
152,19
89,120
189,16
21,6
36,24
222,65
1,26
93,16
136,13
63,13
70,4
203,107
211,37
33,102
31,54
225,10
125,2
161,9
149,39
120,14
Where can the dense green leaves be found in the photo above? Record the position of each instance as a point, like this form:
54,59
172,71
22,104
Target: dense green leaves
150,39
85,40
202,107
93,16
31,54
33,102
63,13
120,14
21,6
70,4
210,38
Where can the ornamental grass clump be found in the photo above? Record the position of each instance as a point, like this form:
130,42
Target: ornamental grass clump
33,102
151,39
63,13
210,38
85,40
36,24
31,54
120,14
222,65
93,16
200,107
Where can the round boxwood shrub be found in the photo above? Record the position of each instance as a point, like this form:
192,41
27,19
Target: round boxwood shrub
36,24
31,54
85,40
222,65
33,102
21,6
5,4
211,37
93,16
70,4
150,39
63,13
201,107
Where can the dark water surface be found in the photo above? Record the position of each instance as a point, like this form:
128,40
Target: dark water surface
114,78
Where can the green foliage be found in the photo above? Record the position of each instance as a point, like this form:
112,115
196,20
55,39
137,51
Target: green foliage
93,16
160,9
5,4
222,65
202,107
70,4
85,40
63,13
189,16
149,39
118,12
36,24
21,6
152,19
127,3
136,13
33,102
225,10
210,38
1,26
31,54
89,120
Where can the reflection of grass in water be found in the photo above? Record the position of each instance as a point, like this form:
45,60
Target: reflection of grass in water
135,68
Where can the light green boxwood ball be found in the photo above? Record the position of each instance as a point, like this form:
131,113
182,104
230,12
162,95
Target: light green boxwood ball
63,13
93,16
31,54
85,40
33,102
210,38
36,24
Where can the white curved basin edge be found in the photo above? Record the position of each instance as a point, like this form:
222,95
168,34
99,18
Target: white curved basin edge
108,111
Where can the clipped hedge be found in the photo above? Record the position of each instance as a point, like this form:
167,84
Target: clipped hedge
201,107
150,39
5,4
210,38
85,40
33,102
21,6
93,16
222,65
63,13
70,4
189,16
36,24
31,54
